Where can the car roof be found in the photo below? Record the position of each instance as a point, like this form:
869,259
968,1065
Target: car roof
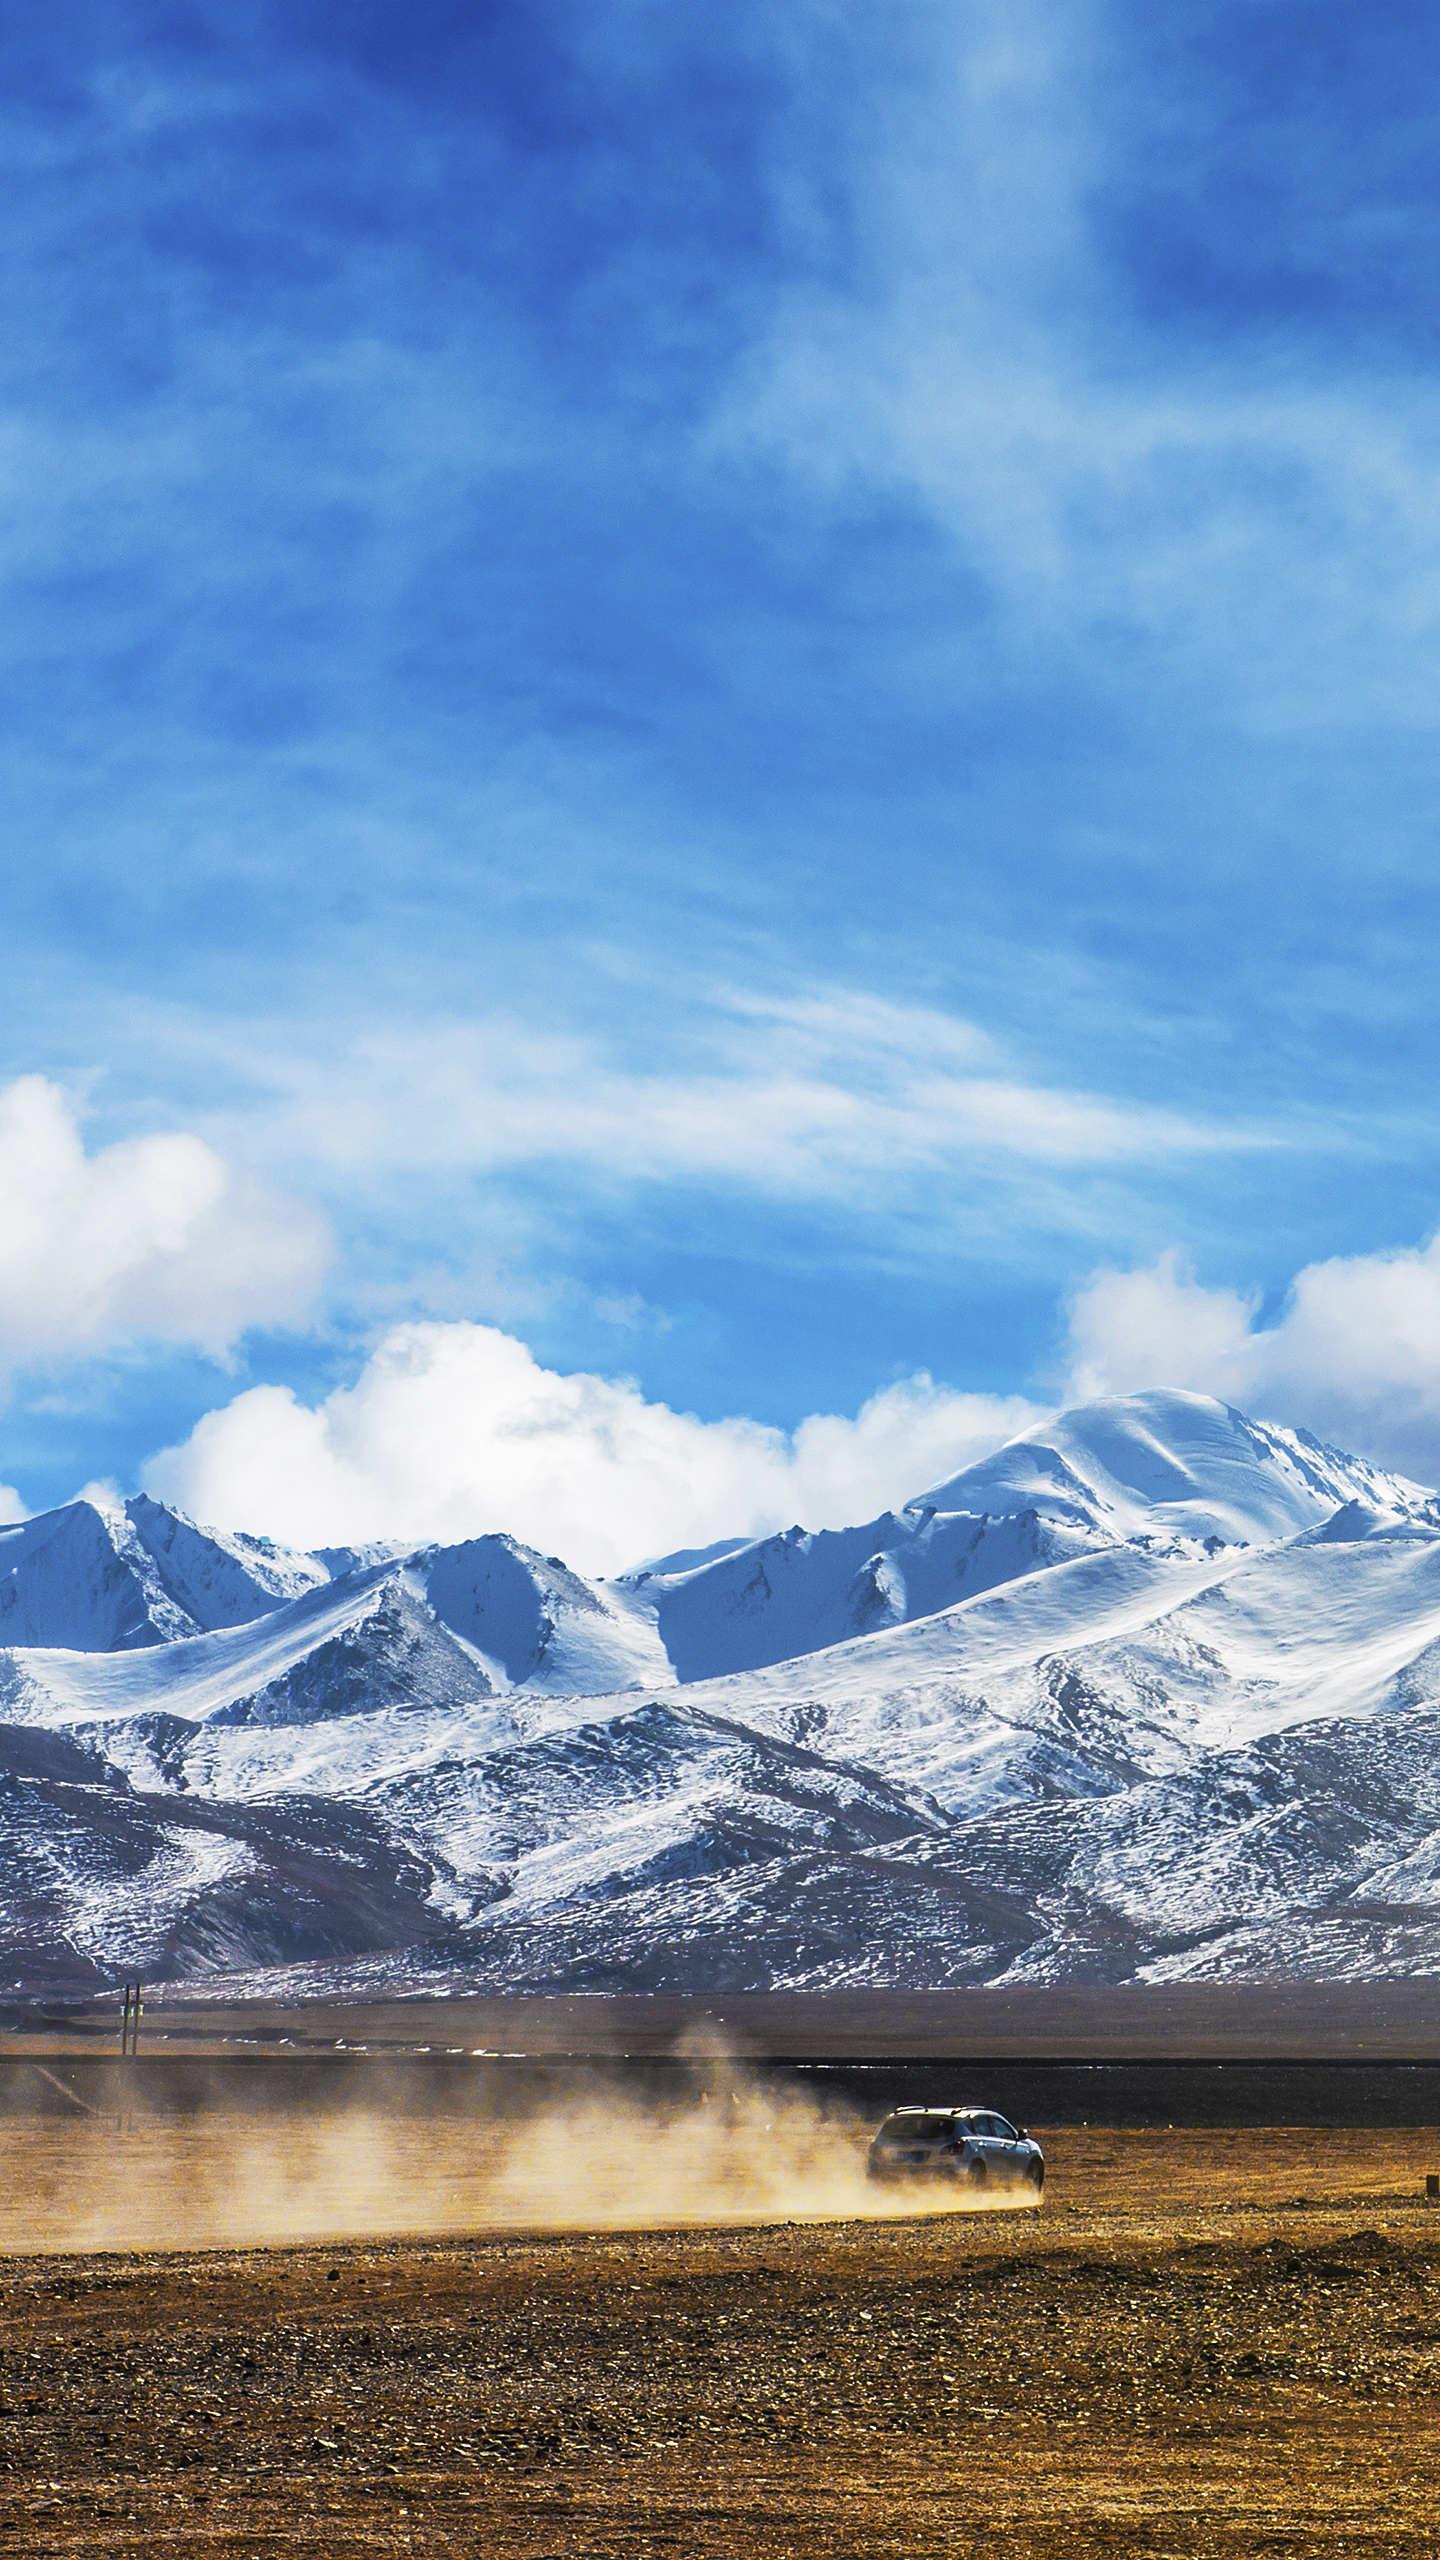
943,2111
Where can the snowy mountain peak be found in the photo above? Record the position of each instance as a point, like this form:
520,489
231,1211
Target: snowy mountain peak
78,1576
220,1577
533,1623
106,1577
1173,1462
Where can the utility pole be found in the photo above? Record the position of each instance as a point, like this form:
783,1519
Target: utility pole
130,2017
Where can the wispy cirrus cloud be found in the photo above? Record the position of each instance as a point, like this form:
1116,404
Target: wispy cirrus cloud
822,1095
1206,461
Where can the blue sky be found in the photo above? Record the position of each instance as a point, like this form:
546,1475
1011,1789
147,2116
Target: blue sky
748,693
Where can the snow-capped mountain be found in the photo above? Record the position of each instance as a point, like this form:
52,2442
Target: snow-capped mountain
105,1576
1155,1691
1176,1473
1181,1464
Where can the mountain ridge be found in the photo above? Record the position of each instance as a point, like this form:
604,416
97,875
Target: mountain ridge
1094,1729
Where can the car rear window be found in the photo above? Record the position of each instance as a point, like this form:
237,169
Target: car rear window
918,2128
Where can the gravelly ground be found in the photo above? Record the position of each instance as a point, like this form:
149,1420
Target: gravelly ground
1213,2344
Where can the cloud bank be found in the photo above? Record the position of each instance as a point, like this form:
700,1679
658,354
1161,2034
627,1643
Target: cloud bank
153,1239
1354,1352
454,1429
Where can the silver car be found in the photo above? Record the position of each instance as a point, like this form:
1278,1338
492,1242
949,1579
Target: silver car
967,2143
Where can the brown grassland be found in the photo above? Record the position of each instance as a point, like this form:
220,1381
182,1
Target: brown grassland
1205,2343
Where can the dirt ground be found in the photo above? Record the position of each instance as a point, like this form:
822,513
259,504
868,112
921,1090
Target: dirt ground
1218,2343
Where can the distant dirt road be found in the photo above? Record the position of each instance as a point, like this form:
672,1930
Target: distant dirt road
1206,2344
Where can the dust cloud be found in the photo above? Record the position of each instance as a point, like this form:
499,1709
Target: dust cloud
730,2152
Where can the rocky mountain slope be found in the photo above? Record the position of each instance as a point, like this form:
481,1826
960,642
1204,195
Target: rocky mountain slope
1155,1692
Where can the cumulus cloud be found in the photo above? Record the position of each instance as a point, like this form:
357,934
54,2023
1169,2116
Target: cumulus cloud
1354,1352
1157,1326
154,1238
454,1429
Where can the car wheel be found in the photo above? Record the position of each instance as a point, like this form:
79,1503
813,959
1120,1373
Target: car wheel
979,2174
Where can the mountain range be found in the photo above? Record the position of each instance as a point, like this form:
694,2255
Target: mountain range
1150,1694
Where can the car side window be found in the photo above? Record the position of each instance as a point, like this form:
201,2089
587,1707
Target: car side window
1003,2131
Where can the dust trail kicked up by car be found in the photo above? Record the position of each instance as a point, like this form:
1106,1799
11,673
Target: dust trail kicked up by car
734,2151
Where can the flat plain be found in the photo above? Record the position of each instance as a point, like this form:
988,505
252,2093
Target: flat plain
1093,2022
1219,2342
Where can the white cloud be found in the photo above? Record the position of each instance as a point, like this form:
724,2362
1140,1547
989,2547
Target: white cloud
454,1429
155,1239
1354,1352
833,1095
1157,1327
11,1507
